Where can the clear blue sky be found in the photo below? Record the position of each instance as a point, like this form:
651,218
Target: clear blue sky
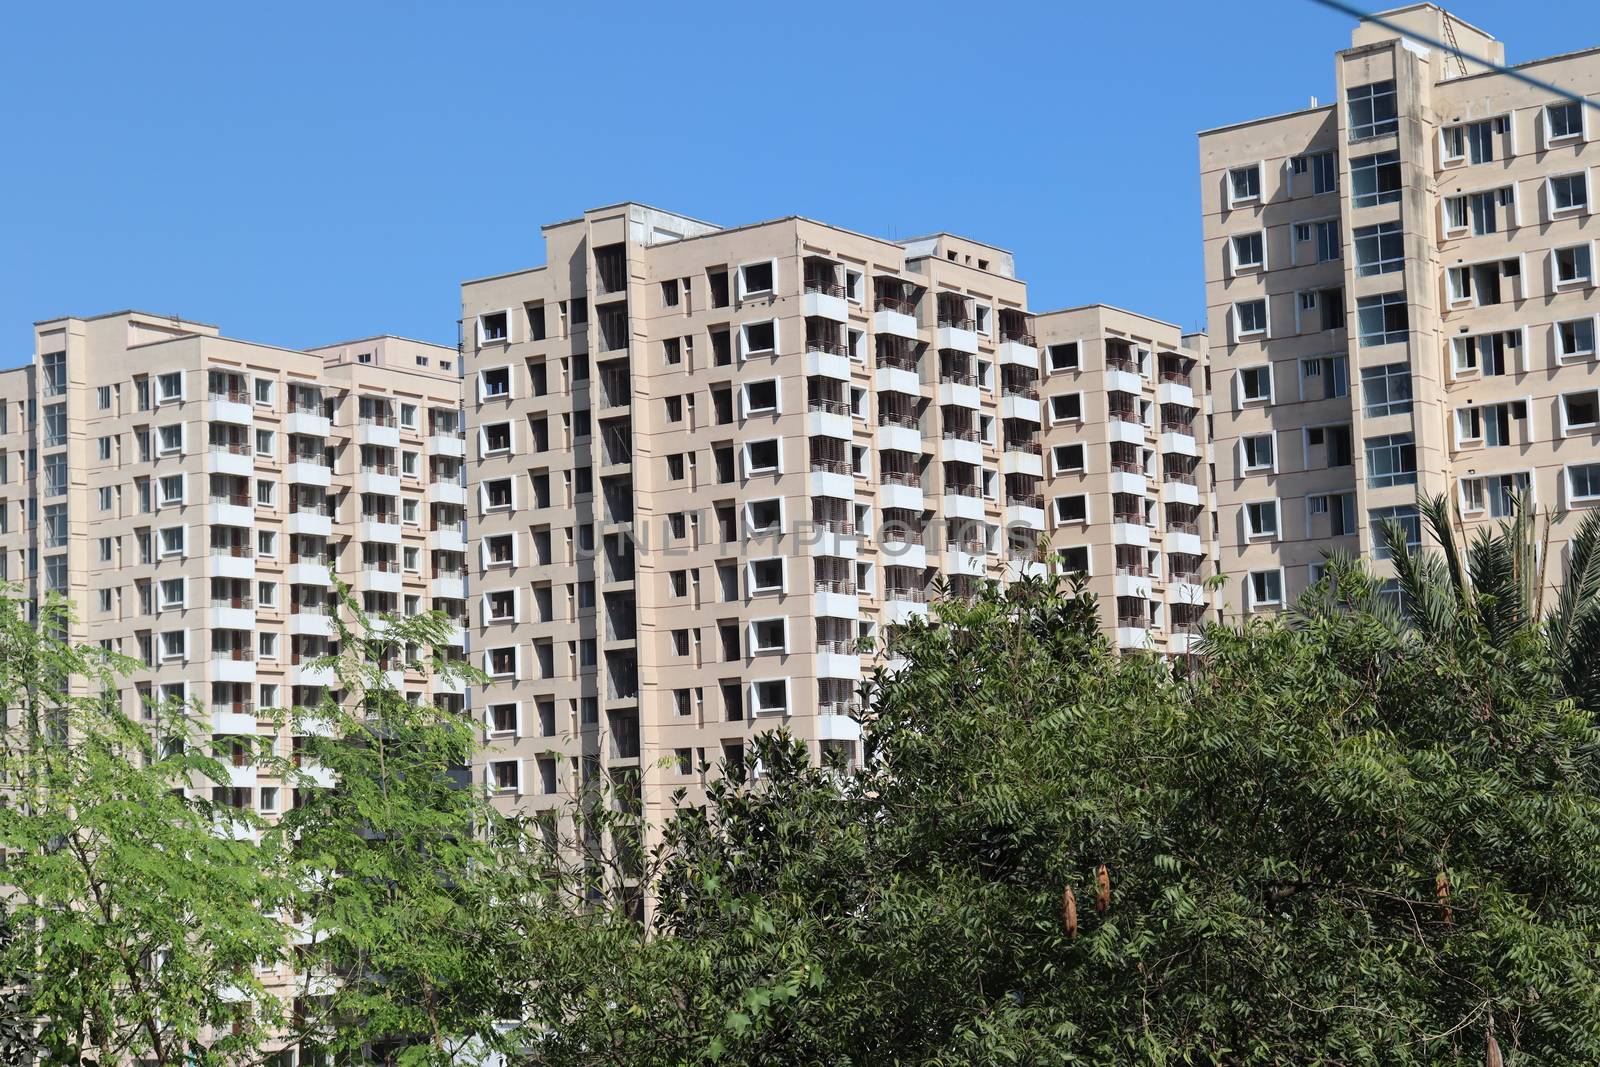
301,173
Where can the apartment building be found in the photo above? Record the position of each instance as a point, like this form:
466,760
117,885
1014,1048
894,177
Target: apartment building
707,463
1402,302
189,492
1128,489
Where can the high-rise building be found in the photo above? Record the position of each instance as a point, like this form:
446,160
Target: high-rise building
188,492
1401,290
707,463
1125,455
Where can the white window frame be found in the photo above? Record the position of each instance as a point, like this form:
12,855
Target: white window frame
1066,419
497,790
750,577
1077,364
484,338
1569,429
767,650
1575,356
483,381
1556,283
1239,332
744,293
1258,197
1572,210
1245,466
1250,533
484,507
1059,521
1234,265
1550,138
755,706
1083,454
516,552
746,411
1239,380
745,351
748,516
511,439
761,472
1250,589
1572,499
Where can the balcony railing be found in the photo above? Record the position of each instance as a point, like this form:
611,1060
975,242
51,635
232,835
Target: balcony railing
1127,466
1126,415
956,322
238,500
1178,427
822,344
241,654
232,396
237,707
386,566
1137,570
831,466
1122,363
1030,447
1178,526
824,286
1021,337
838,707
1186,477
961,435
1027,392
1175,376
233,448
835,526
957,378
908,595
893,418
899,535
829,407
844,586
897,361
896,303
389,469
843,647
237,551
1025,500
955,489
377,419
908,478
971,548
1127,516
241,602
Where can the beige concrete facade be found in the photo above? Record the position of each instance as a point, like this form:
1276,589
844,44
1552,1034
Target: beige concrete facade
1128,489
188,493
1402,301
707,463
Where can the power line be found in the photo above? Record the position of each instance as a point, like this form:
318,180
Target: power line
1499,68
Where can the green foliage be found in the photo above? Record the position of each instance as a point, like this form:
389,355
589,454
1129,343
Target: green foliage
133,915
1333,839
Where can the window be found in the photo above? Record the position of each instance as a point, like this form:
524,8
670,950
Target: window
1485,352
758,338
264,391
1569,192
169,439
503,662
1071,509
1496,494
1581,411
1372,110
1383,320
1408,519
1471,141
267,594
103,398
1067,407
766,576
408,416
497,437
1575,339
1386,390
105,498
1255,383
769,635
264,442
1572,265
169,387
1379,249
1261,519
55,475
1563,121
174,644
505,776
266,492
103,449
1391,460
55,425
1322,169
765,516
1248,252
497,381
492,327
1244,183
266,543
755,278
1583,481
1375,179
1063,357
761,457
1266,588
1250,317
172,541
1067,458
1258,452
770,696
761,397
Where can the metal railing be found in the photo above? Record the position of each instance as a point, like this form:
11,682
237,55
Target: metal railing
895,303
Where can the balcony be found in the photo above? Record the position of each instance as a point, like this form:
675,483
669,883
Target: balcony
226,615
311,522
1123,381
902,604
445,492
309,619
1018,350
957,334
826,299
1132,636
831,478
898,433
897,489
380,479
447,539
836,722
308,472
1175,392
1022,457
895,316
231,510
231,406
963,502
1179,443
307,571
1127,477
829,418
233,561
237,718
965,557
306,672
836,598
1183,538
230,458
447,443
448,588
1180,490
899,376
233,665
380,431
1129,529
838,659
961,446
959,390
902,548
379,576
308,421
1020,403
379,527
1024,511
827,359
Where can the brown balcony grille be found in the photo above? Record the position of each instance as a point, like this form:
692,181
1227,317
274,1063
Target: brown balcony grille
825,286
903,305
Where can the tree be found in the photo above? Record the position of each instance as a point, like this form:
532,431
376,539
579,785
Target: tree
1333,839
403,870
134,910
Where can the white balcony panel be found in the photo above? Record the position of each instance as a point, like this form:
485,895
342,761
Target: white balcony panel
305,622
1017,569
828,543
837,728
1017,354
838,665
311,523
1130,533
1133,637
307,574
957,506
827,424
1181,443
908,497
446,444
306,673
377,581
1186,593
386,532
1132,433
958,450
970,564
448,588
233,670
897,323
899,439
838,605
307,474
958,339
828,365
231,618
221,461
894,553
233,722
226,565
898,380
1020,407
1174,393
900,611
370,433
1180,493
1129,482
1186,544
302,422
445,493
826,305
320,776
827,483
231,515
1124,381
447,540
230,411
1182,643
378,484
1021,516
965,396
1131,585
440,684
242,777
1029,463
